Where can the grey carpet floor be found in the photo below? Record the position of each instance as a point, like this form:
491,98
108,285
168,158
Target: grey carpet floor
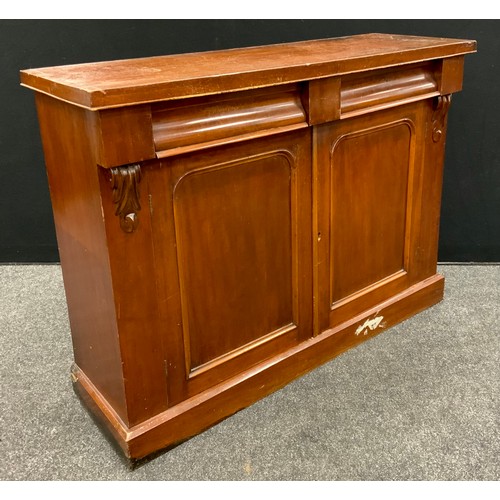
420,401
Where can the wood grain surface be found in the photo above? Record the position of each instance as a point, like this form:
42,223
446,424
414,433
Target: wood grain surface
134,81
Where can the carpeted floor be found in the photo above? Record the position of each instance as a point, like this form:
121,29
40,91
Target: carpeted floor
418,402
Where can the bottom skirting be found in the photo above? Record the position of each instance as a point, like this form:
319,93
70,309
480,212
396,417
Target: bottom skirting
198,413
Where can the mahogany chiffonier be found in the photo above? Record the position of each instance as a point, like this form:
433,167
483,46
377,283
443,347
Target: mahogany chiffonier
229,220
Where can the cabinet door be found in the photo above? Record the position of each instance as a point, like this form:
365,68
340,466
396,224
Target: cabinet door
232,242
368,210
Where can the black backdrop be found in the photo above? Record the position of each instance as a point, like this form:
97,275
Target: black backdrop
470,221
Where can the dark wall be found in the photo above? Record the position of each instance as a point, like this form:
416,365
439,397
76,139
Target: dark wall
470,222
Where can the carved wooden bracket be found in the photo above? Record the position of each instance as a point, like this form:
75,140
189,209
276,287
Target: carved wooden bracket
125,183
439,116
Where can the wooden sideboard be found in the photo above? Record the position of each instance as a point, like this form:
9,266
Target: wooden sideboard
229,220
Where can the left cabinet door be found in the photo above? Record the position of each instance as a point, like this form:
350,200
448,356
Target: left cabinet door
232,243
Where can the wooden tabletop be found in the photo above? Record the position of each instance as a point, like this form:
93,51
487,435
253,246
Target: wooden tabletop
133,81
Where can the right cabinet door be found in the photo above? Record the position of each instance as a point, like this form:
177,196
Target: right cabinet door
376,206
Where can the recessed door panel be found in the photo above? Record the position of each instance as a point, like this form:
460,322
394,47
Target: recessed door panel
369,171
233,228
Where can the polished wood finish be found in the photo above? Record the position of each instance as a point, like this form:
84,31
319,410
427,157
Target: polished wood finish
369,200
197,124
227,221
322,101
385,88
123,135
233,241
81,235
209,407
117,83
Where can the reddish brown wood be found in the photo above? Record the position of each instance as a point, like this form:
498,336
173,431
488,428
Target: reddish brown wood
451,75
190,126
125,185
123,136
426,245
368,211
228,221
82,240
370,168
218,402
116,83
386,88
322,100
132,263
237,220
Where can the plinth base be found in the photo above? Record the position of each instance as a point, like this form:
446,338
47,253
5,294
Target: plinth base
219,402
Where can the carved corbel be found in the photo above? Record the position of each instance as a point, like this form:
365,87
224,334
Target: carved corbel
439,116
125,184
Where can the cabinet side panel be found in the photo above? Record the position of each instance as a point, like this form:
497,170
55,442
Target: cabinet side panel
76,203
